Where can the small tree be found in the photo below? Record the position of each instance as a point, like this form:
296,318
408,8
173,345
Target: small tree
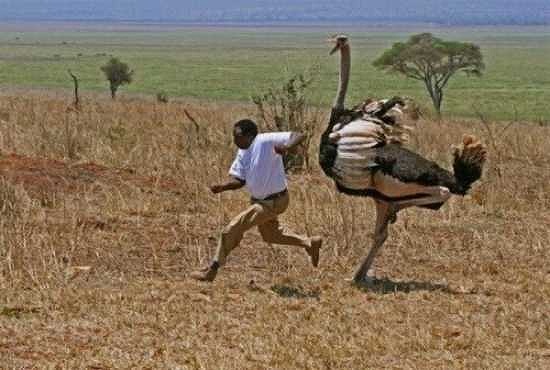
433,61
117,73
76,97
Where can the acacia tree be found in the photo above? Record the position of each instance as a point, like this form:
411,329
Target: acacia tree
433,61
117,73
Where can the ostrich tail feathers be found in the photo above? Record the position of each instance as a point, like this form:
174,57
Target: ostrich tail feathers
469,158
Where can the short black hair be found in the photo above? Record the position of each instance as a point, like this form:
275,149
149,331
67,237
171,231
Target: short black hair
247,127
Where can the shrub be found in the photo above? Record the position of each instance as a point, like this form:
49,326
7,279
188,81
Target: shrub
286,108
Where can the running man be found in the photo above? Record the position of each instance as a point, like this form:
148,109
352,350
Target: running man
259,167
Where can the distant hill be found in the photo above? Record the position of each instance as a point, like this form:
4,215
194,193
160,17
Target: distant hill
451,12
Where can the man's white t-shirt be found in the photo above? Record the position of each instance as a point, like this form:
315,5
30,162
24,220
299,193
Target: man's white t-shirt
260,167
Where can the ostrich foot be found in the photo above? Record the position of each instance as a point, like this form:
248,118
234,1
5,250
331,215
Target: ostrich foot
366,282
362,280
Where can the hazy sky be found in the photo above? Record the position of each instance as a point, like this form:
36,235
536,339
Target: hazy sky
508,11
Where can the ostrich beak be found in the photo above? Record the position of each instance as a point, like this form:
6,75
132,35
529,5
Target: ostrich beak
335,49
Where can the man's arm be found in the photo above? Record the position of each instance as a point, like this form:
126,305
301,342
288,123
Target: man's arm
233,183
296,138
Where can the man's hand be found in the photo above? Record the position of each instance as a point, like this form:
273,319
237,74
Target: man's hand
280,149
232,184
295,140
216,189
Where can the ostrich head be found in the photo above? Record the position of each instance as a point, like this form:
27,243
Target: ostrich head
340,42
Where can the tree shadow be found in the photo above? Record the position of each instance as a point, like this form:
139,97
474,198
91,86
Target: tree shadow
386,286
287,291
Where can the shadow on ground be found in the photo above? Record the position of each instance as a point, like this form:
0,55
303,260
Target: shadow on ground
385,286
287,291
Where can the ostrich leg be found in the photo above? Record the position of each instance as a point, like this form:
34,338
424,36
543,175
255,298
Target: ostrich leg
383,214
441,196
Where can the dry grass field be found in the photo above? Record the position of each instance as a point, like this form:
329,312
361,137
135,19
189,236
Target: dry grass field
104,212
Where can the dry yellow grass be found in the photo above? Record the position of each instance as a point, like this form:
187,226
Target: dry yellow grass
103,213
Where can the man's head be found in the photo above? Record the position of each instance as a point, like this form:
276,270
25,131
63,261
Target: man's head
244,133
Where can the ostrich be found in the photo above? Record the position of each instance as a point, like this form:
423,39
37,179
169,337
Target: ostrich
361,151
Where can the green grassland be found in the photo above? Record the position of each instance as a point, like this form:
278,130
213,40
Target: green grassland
235,63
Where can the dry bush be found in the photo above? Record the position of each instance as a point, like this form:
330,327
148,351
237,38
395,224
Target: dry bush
289,108
105,211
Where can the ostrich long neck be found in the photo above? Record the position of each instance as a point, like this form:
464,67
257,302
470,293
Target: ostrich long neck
345,66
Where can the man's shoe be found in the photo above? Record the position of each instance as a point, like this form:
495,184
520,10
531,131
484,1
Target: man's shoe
207,273
313,250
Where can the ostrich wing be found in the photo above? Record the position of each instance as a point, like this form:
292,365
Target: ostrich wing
355,177
408,166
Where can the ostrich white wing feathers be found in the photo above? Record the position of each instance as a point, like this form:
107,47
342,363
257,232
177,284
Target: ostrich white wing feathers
355,141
